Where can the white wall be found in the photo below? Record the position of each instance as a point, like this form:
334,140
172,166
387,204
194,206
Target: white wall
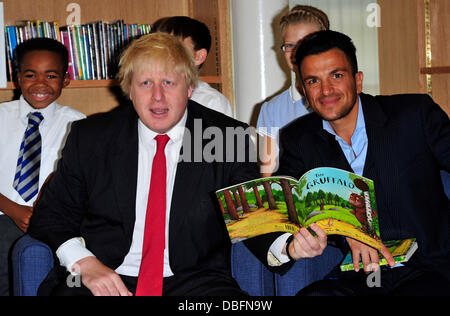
257,67
355,19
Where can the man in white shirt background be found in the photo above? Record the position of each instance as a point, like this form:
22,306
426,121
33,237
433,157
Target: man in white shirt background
42,74
197,37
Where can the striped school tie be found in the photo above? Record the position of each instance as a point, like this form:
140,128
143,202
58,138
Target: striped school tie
26,180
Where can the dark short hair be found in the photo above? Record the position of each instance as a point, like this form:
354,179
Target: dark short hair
323,41
41,44
184,27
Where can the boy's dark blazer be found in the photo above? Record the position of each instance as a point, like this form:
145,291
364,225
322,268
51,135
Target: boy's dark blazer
408,145
93,192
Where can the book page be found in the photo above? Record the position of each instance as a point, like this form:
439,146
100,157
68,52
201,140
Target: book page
259,207
340,202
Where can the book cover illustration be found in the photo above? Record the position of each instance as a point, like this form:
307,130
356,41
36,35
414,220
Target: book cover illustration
401,250
338,201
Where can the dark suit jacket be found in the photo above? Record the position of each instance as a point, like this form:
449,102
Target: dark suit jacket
93,192
408,143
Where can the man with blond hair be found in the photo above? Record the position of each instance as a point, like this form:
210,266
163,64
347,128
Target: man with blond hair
123,210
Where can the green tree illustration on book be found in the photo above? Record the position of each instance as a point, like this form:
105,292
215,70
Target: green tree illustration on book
340,202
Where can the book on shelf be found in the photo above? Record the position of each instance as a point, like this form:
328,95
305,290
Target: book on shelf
401,250
338,201
94,48
65,39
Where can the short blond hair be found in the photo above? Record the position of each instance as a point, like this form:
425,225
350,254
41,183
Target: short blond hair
166,50
305,14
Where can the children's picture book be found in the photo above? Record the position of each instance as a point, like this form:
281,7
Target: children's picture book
338,201
401,250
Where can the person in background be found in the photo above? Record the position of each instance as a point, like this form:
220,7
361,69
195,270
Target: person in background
289,105
197,37
32,134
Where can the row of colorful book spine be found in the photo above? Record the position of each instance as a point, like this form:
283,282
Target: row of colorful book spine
94,48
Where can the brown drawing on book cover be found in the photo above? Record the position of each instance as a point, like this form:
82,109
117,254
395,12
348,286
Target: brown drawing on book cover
363,210
358,202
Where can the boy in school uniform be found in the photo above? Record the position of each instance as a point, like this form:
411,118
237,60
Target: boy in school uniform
32,133
197,38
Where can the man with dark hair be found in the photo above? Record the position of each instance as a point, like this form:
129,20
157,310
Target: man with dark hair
32,133
323,42
197,37
400,141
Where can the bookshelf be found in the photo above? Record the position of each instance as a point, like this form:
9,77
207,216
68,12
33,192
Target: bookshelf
86,84
93,96
413,48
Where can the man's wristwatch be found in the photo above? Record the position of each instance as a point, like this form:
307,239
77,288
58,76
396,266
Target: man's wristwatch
288,242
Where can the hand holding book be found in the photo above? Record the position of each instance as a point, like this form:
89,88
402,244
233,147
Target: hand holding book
306,245
334,201
400,251
368,256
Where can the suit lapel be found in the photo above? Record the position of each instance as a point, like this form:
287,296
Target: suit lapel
124,164
188,181
375,119
330,151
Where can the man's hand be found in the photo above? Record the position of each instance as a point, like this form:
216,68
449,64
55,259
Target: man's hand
305,245
369,256
99,279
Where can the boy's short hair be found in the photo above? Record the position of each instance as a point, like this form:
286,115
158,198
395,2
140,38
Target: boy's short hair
171,54
323,41
41,44
184,27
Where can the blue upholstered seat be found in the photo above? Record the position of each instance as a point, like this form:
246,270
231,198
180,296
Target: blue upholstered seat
32,260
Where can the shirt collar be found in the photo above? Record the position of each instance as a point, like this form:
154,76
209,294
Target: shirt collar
24,108
176,133
295,95
360,123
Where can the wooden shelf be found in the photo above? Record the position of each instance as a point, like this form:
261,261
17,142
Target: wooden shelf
83,84
94,96
434,70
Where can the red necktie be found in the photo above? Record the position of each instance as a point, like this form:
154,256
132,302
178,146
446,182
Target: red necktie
150,278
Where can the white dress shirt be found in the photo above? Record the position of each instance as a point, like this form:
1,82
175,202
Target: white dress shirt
53,129
74,250
207,96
